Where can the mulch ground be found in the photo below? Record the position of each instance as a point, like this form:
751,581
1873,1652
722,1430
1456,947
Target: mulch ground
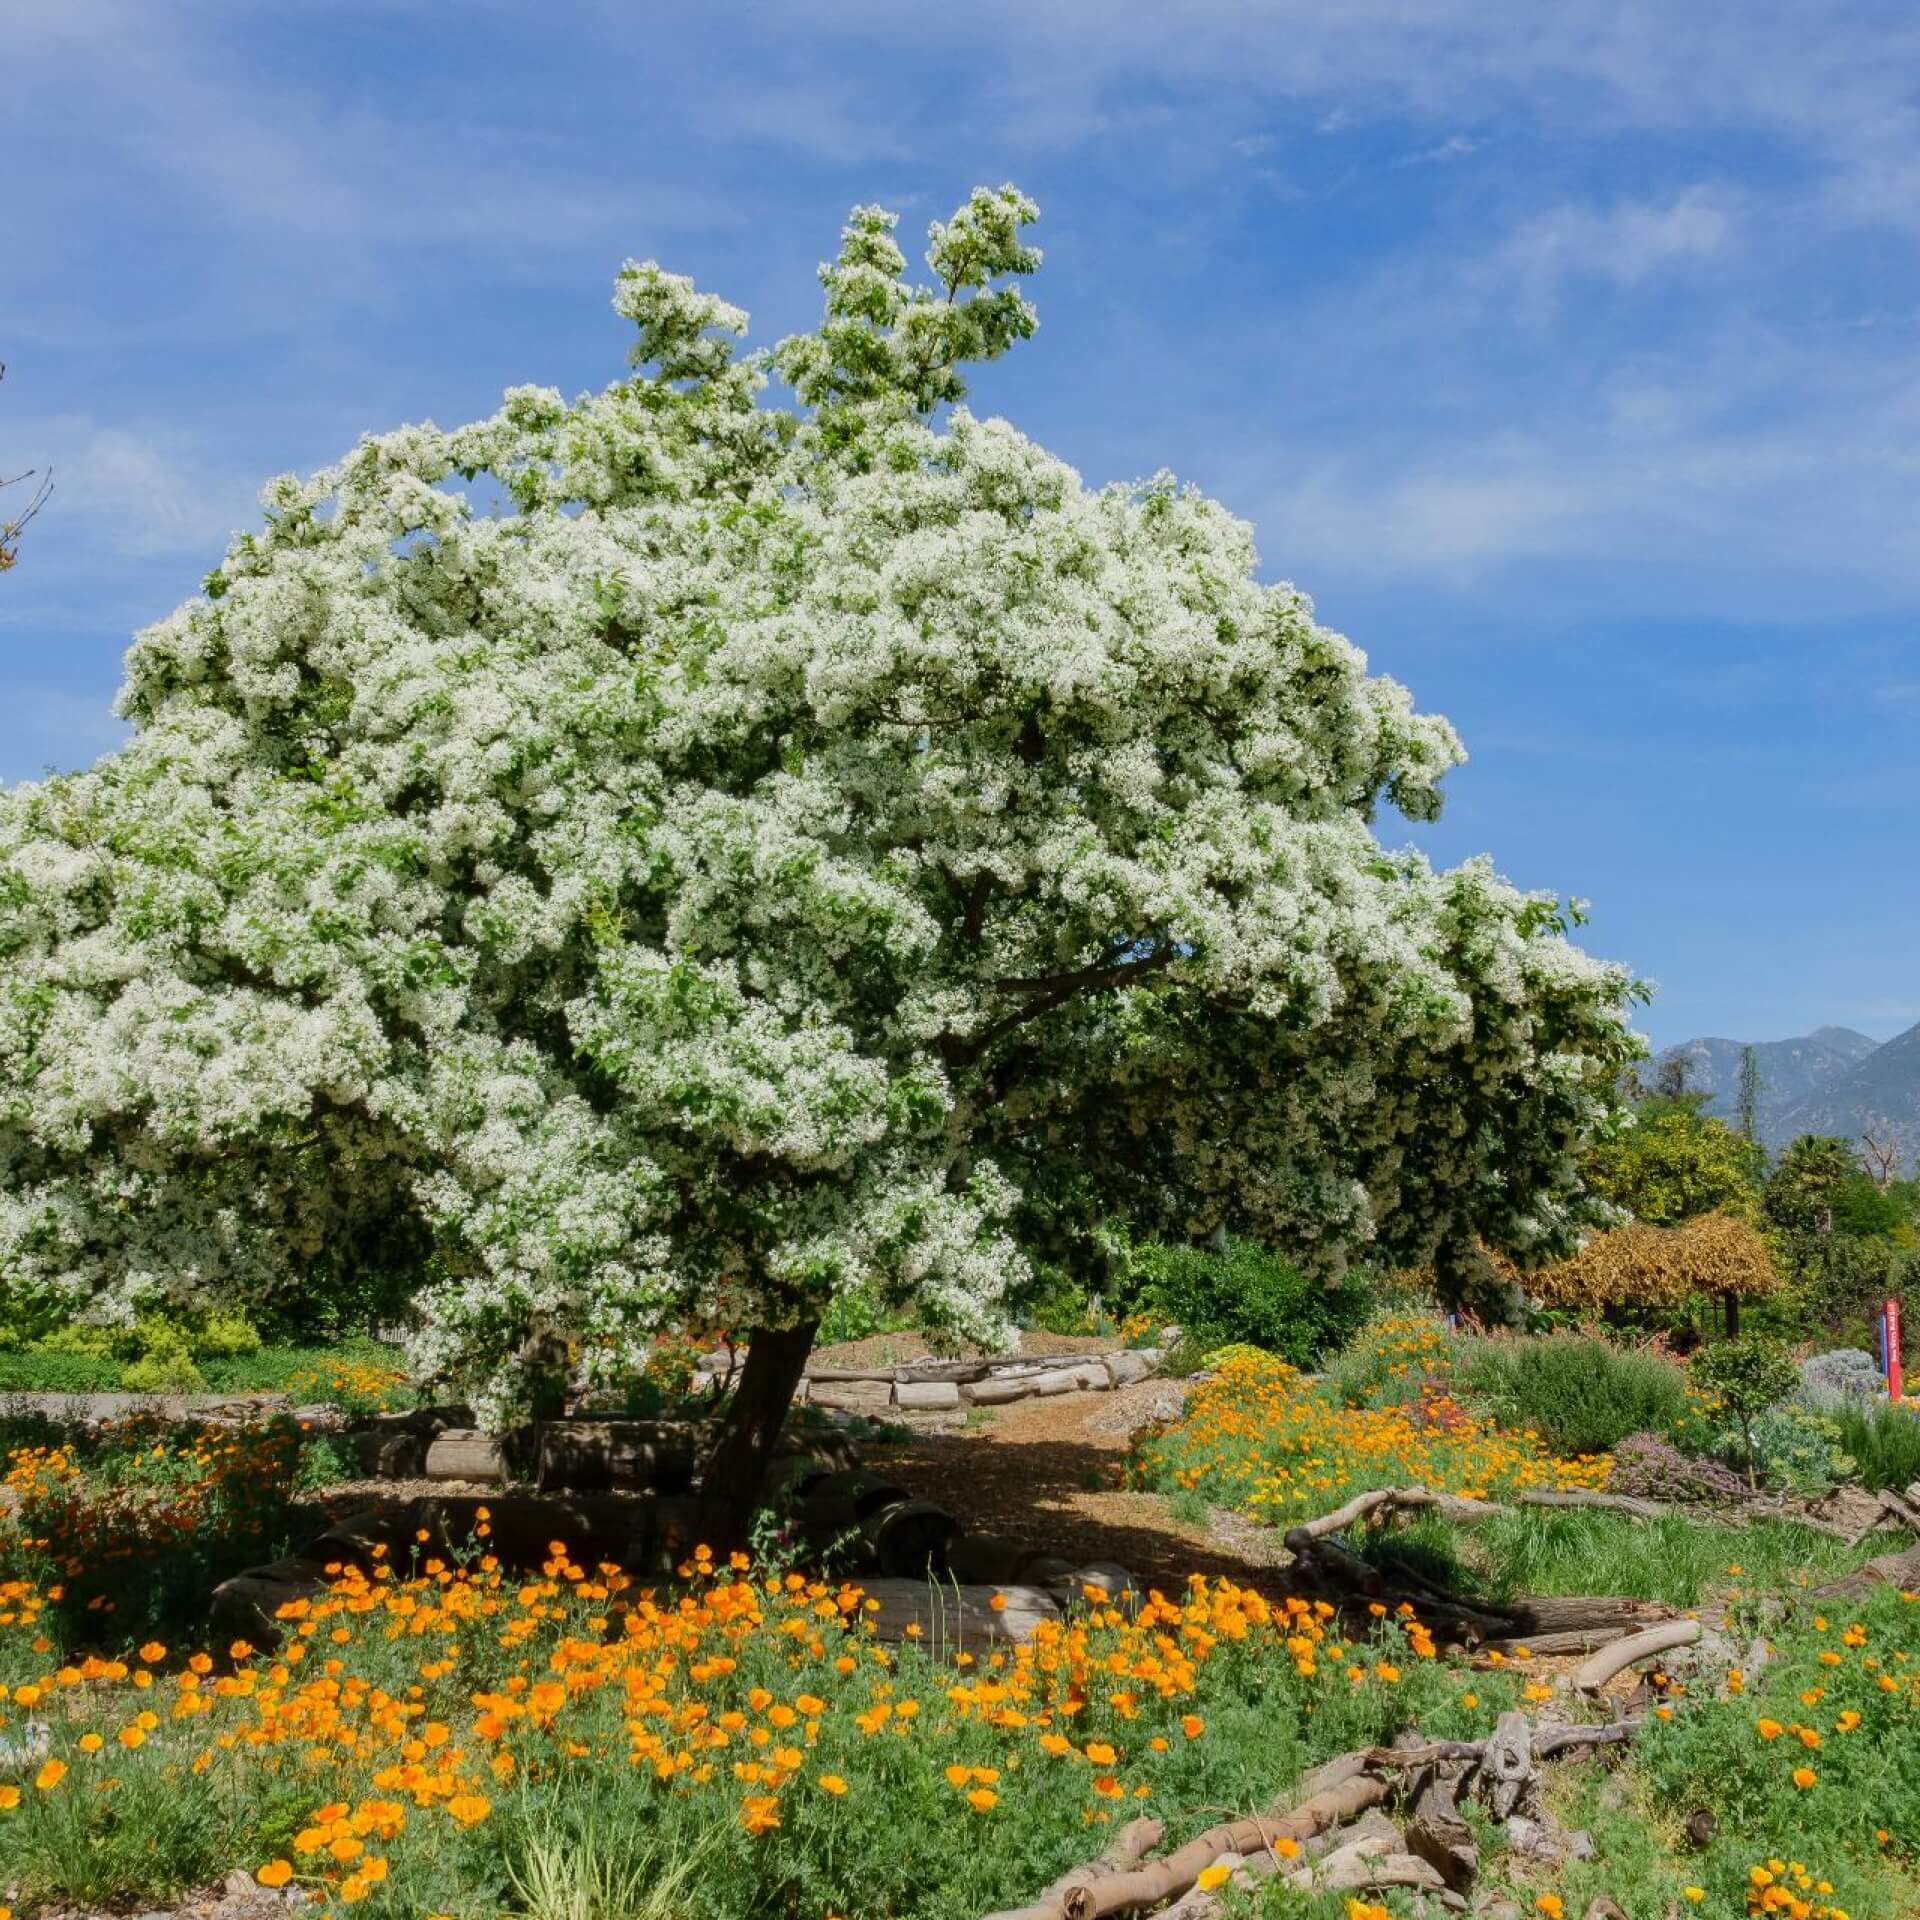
1048,1473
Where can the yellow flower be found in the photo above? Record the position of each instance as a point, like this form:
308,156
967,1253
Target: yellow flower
276,1873
1804,1777
833,1784
9,1799
1694,1894
50,1775
1550,1904
1216,1875
982,1799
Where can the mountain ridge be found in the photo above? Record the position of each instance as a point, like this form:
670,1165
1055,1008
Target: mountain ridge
1833,1080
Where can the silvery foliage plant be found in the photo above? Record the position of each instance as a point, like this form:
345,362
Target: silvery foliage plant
671,853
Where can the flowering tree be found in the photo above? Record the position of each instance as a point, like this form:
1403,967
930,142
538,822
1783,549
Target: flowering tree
675,854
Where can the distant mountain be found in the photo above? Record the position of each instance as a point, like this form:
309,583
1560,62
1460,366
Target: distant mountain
1792,1073
1879,1095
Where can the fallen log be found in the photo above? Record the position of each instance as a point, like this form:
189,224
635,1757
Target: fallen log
1340,1791
1594,1672
1155,1882
1319,1555
1890,1569
1126,1849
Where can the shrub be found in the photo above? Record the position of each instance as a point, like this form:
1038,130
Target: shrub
1747,1377
1844,1377
854,1315
1798,1450
1245,1295
161,1373
224,1336
1650,1467
1580,1394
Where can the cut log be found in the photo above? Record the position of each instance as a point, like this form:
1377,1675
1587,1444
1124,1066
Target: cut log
908,1538
1594,1672
601,1455
465,1454
946,1620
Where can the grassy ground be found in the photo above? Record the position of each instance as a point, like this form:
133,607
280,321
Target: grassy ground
1679,1561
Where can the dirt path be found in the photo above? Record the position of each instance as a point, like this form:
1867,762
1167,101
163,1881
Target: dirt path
1048,1473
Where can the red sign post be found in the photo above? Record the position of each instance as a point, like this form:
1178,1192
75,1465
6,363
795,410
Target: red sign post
1895,1385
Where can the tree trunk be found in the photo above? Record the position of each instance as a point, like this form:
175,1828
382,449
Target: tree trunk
1733,1316
737,1466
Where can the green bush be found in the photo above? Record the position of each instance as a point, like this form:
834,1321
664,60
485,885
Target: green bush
224,1336
1578,1393
1243,1294
161,1373
1884,1442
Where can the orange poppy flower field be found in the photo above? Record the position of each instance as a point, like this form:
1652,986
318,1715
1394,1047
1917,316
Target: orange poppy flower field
449,1737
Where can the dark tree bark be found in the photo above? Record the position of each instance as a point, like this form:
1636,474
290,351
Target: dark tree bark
737,1466
1733,1316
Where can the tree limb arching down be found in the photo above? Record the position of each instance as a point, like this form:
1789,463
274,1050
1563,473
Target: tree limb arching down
673,855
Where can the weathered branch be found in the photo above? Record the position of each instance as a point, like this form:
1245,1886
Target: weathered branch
1597,1669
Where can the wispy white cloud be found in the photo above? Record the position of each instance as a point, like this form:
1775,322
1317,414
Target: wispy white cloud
1455,147
1626,242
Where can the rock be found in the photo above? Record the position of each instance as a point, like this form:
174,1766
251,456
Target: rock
926,1396
851,1396
1092,1377
1495,1905
239,1884
1123,1369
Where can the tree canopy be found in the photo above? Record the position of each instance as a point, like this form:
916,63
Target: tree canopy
675,853
1674,1164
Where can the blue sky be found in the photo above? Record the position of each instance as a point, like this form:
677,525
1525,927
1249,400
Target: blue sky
1569,356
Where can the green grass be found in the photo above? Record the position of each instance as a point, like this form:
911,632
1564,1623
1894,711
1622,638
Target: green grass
1677,1561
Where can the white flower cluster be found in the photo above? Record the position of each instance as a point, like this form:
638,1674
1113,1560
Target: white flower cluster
672,854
